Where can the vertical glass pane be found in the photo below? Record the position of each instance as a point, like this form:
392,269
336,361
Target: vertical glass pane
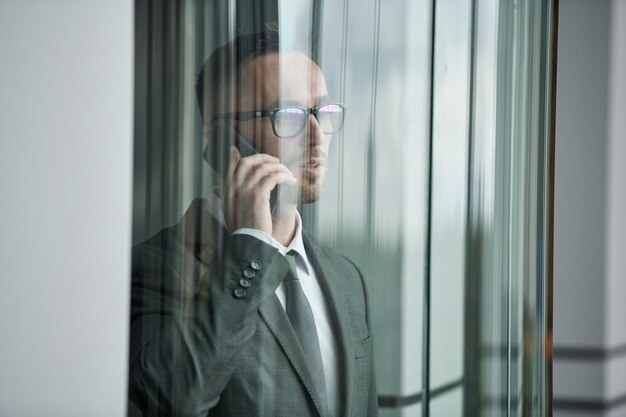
214,322
509,210
451,118
250,266
449,403
374,206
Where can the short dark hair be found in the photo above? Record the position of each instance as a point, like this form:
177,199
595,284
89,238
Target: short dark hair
224,63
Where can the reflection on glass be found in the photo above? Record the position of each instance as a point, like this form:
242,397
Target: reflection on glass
236,308
451,118
299,274
375,206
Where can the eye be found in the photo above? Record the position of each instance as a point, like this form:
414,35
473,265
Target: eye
289,121
330,117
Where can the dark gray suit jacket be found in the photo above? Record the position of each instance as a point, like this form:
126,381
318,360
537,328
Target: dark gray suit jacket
197,350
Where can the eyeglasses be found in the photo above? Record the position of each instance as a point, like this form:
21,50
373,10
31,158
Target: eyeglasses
288,122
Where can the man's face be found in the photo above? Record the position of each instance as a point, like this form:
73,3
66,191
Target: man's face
282,80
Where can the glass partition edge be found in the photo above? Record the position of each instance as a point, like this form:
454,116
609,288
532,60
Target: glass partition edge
510,209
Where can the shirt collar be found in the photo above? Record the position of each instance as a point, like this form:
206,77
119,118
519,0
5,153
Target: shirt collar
297,244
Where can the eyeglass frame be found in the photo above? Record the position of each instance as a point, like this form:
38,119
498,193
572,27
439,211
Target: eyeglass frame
252,114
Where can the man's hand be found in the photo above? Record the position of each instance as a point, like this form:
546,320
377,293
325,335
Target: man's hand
247,188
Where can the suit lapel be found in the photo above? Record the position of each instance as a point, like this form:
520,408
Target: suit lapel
274,315
333,286
201,231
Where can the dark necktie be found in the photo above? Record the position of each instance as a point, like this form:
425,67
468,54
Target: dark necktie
301,316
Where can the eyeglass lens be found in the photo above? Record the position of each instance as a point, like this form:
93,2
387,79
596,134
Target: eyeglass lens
291,121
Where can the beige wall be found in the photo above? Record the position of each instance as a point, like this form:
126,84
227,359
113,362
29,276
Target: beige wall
65,179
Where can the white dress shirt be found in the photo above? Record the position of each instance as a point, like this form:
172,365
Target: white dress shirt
314,294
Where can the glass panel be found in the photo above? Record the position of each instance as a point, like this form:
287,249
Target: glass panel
457,312
196,306
510,182
448,404
451,94
374,206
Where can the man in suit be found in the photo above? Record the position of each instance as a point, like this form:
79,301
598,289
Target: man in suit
235,310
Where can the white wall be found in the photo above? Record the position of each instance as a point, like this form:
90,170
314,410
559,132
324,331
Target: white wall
65,184
590,210
580,189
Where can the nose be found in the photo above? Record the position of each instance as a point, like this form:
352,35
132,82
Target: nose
314,135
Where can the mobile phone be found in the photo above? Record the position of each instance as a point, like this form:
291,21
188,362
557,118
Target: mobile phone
217,153
217,150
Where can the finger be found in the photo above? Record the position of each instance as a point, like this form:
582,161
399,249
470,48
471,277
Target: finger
235,156
257,174
269,182
258,158
247,165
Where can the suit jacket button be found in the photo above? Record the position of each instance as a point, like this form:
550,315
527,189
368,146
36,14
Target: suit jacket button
248,273
256,265
239,292
245,283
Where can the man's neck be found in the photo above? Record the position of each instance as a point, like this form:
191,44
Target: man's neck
284,224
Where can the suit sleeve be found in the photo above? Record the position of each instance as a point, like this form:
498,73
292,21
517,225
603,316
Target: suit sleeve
185,337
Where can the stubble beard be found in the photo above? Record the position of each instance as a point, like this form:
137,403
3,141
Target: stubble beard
309,195
311,189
